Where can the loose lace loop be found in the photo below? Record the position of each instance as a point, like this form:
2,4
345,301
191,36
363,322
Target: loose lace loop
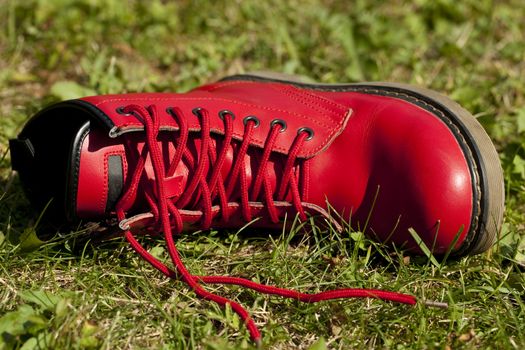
203,189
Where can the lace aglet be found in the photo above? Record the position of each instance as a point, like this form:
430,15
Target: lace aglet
437,304
124,225
258,343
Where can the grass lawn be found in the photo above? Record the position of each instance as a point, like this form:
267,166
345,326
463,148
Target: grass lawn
69,295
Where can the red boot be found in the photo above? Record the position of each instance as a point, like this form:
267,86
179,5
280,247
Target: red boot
388,157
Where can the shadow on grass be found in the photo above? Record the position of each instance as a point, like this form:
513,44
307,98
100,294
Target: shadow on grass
16,213
20,221
17,217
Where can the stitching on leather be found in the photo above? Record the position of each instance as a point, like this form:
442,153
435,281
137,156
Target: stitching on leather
103,198
289,90
340,108
301,99
106,174
335,132
167,99
334,128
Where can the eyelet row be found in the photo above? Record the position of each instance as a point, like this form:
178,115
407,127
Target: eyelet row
222,114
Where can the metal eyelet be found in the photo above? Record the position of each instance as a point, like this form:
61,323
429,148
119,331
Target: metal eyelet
226,112
252,118
120,110
280,122
170,111
197,111
307,130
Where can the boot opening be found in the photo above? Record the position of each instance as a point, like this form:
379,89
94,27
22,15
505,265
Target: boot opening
45,156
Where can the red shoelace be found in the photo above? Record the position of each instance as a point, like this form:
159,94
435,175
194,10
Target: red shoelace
203,189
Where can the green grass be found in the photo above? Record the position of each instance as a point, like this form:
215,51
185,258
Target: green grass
70,295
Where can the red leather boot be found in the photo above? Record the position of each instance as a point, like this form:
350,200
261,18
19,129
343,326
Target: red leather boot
387,157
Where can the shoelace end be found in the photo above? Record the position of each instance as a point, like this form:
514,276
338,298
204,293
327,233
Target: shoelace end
124,225
433,303
258,343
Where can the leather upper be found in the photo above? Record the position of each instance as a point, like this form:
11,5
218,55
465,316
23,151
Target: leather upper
381,161
299,108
